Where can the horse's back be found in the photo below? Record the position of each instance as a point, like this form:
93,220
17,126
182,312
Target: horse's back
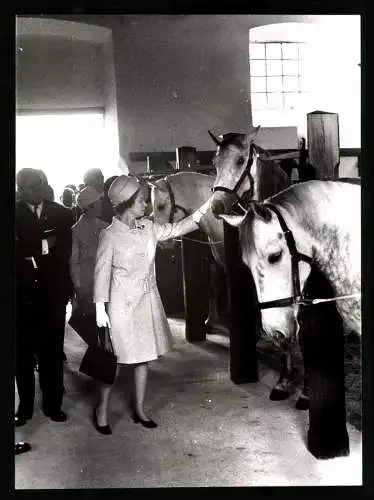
350,180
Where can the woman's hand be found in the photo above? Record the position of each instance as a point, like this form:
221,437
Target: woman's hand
102,319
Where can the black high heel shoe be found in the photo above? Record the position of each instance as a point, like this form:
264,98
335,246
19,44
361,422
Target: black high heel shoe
103,429
149,424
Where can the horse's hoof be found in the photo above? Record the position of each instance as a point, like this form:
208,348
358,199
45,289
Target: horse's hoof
302,403
278,395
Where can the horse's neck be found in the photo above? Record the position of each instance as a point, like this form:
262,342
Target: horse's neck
269,179
335,240
190,190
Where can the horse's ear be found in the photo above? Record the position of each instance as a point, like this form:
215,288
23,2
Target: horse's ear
215,139
261,211
233,220
253,131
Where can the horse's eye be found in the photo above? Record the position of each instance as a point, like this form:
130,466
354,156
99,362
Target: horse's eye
240,161
161,207
275,257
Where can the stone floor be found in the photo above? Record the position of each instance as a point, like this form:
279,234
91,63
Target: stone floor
211,432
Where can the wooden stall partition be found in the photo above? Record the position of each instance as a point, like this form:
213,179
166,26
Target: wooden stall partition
244,312
322,342
195,255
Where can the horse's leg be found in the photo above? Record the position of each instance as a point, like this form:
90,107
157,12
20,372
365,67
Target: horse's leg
282,389
213,316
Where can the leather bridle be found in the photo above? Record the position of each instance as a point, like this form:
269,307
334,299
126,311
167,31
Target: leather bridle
174,206
297,298
246,173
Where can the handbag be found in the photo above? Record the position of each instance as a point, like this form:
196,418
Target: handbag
99,361
84,323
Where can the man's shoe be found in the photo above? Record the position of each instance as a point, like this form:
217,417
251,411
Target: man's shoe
56,416
20,420
21,447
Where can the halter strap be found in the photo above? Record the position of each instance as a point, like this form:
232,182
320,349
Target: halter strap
296,257
174,206
246,173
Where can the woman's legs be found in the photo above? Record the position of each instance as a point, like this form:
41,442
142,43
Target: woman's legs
103,407
140,380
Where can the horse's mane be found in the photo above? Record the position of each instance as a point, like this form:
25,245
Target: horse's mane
295,199
271,177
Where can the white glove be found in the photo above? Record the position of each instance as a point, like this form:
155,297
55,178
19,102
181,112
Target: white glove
200,212
102,319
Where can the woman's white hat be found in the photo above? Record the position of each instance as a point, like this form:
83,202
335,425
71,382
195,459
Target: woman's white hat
122,189
87,196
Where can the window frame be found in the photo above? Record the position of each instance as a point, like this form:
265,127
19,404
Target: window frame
301,91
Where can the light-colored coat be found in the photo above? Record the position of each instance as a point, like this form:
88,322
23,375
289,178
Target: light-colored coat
125,278
82,264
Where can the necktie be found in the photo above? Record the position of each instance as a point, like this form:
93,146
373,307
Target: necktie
35,210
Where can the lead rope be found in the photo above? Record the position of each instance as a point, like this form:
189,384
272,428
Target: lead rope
331,299
199,241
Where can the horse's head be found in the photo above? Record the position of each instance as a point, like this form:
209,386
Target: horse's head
267,254
234,159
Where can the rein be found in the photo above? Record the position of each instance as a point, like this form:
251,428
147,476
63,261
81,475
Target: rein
297,298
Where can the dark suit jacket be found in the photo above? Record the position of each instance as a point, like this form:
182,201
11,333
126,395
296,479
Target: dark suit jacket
51,279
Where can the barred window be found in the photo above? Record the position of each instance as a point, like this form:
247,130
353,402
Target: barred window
277,75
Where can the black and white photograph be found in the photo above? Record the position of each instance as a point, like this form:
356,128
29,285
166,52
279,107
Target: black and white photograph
187,251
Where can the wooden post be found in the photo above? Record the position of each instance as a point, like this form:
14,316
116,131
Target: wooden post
194,284
322,341
323,143
186,159
244,312
194,287
322,333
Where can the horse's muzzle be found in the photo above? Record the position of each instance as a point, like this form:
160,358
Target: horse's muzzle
218,207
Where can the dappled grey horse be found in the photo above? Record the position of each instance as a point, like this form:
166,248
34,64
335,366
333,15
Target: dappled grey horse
304,226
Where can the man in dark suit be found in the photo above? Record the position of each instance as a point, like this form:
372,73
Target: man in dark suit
43,249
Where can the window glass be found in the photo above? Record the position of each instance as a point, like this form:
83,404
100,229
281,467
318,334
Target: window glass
274,67
274,84
258,84
290,51
257,51
258,67
273,51
290,67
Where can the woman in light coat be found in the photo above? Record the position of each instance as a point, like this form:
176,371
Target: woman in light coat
125,280
85,235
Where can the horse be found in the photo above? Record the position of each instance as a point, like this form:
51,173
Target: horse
244,172
247,172
178,195
289,233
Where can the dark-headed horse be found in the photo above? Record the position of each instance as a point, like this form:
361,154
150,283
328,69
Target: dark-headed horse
247,172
